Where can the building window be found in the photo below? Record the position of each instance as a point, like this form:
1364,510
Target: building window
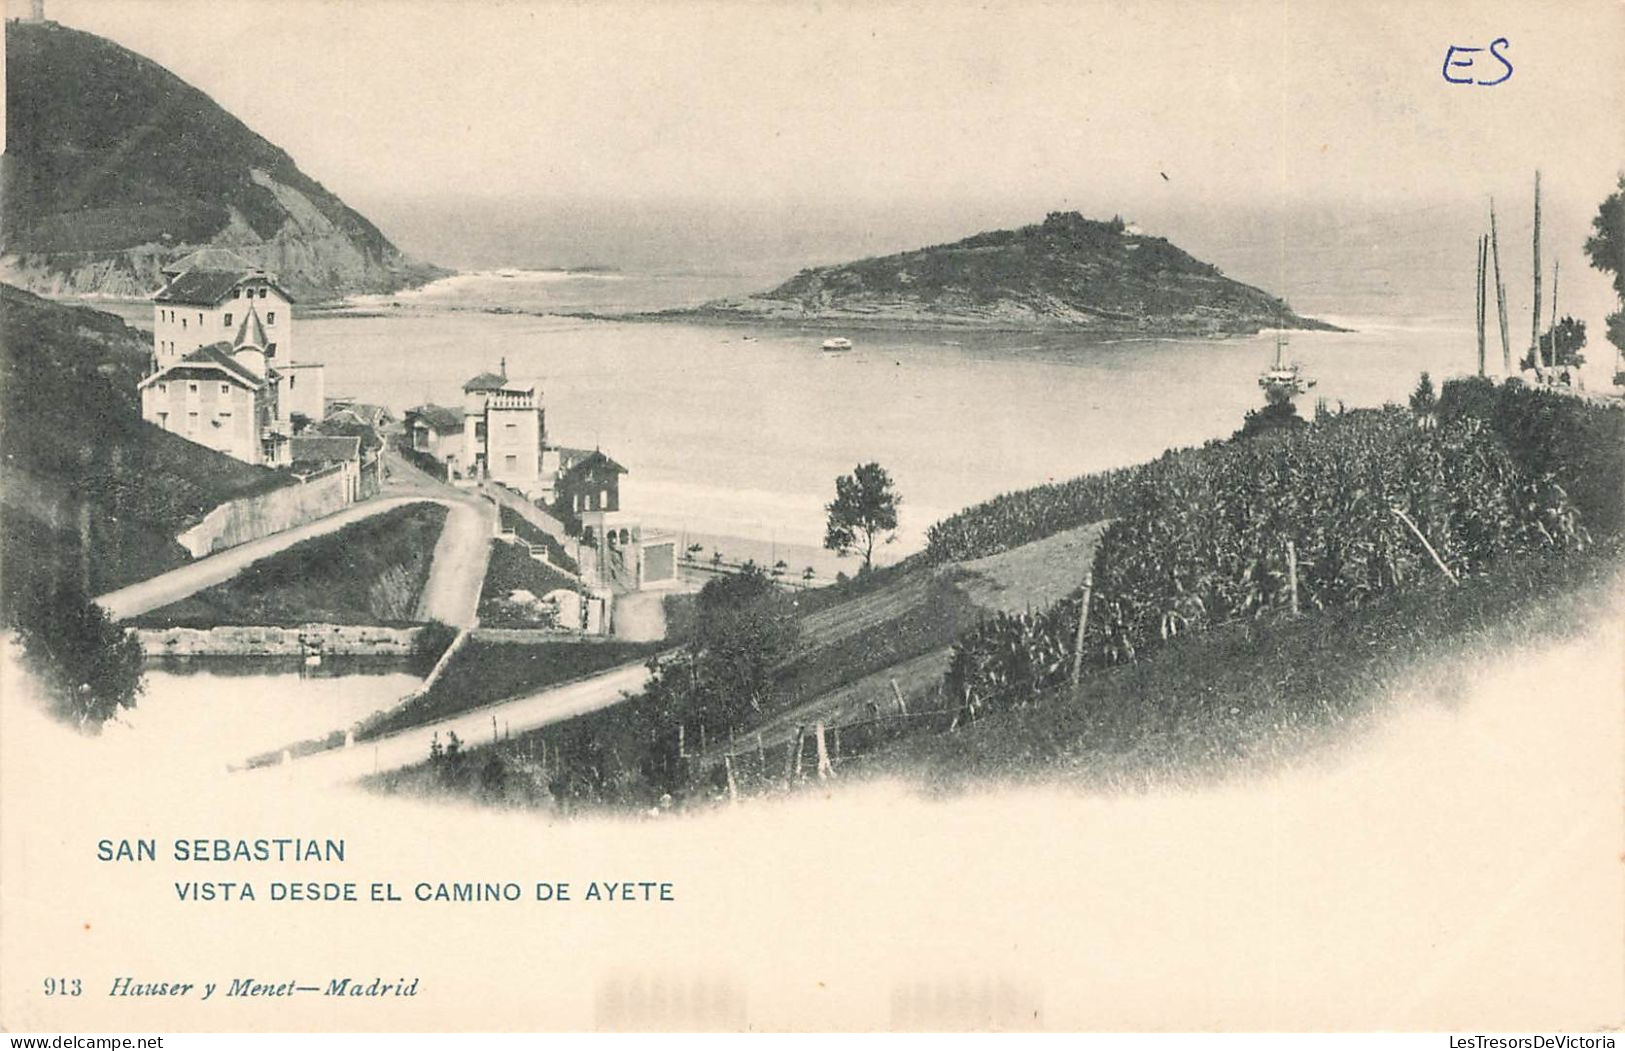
270,317
183,323
225,388
270,350
236,293
263,291
200,319
163,420
511,462
163,388
228,321
292,379
191,423
191,388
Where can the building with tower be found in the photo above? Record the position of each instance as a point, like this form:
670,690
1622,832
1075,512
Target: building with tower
222,371
505,432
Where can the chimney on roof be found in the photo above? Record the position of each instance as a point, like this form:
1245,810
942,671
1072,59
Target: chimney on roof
504,368
38,14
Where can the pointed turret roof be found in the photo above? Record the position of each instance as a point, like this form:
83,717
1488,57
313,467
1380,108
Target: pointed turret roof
250,333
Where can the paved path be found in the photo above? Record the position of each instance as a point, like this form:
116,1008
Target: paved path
452,593
555,704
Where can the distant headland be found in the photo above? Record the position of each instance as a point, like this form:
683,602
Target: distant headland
1066,273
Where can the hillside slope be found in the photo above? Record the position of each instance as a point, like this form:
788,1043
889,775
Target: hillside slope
90,490
115,166
1067,272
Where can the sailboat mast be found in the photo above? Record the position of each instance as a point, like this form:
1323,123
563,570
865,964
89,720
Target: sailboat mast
1483,250
1534,324
1500,293
1557,266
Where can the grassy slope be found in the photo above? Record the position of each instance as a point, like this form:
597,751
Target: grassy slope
511,569
530,534
333,579
70,418
1255,692
482,673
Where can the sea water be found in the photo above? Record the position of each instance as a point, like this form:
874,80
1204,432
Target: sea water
741,429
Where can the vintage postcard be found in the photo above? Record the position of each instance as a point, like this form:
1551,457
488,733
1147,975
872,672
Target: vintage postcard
791,516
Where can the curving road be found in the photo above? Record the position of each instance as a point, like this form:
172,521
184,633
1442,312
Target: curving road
555,704
451,594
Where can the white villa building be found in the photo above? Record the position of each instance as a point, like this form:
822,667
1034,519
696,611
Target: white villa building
222,374
504,432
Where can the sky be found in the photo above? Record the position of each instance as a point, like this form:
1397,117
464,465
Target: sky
895,121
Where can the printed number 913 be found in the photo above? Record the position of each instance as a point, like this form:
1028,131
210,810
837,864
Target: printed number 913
63,987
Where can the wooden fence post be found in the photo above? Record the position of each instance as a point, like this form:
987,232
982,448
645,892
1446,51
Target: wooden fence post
1403,517
826,770
792,758
1292,573
1083,624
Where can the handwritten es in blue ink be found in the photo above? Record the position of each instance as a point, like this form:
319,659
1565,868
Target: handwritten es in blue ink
1452,62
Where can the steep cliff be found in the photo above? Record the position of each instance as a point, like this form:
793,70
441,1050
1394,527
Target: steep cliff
1066,272
114,166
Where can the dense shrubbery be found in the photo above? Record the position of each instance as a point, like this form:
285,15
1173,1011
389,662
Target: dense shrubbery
89,666
1200,536
1577,442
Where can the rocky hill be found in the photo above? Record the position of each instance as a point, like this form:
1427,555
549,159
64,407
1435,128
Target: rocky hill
115,166
1067,272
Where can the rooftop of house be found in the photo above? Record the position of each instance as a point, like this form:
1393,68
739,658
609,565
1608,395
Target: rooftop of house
214,358
485,381
206,288
343,409
324,448
436,418
595,460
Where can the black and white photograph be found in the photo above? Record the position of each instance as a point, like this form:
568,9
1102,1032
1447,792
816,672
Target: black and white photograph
538,516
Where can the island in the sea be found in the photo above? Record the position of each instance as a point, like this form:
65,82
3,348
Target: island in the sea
1068,273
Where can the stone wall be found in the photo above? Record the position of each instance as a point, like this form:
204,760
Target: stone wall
251,517
350,640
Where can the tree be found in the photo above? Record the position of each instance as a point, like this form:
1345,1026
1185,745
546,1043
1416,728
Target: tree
1275,417
1606,247
1568,337
91,667
744,627
1423,399
864,510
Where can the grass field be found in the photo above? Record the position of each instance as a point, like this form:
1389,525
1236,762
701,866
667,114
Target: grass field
484,672
370,572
